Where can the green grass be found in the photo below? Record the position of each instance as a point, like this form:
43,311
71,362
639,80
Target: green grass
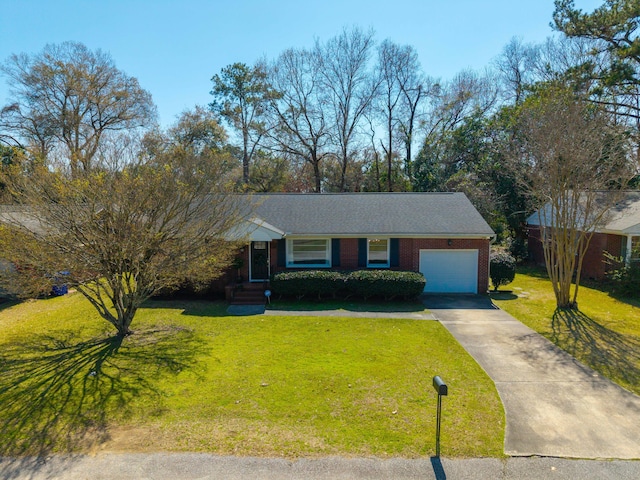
603,334
194,379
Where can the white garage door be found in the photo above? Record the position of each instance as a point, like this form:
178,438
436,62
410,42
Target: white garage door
450,271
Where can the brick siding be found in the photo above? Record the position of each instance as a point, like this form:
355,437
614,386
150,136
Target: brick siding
409,250
410,254
594,265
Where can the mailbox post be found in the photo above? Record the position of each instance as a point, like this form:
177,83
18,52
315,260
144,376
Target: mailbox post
442,390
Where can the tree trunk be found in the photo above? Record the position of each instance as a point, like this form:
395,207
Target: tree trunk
344,169
316,174
245,157
389,158
124,322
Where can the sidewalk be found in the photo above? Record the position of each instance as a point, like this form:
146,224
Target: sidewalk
163,466
245,310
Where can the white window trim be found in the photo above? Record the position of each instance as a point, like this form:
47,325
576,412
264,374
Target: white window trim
632,254
379,265
290,263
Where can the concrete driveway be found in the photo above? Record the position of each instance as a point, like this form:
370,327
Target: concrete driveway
554,405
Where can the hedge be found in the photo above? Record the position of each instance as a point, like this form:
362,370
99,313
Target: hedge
387,284
502,269
308,282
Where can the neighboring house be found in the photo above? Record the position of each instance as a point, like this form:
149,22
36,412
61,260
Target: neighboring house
618,235
439,234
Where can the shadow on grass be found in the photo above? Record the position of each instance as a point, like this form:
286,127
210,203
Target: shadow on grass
533,271
610,289
613,354
196,307
604,286
58,394
635,302
503,295
8,303
347,305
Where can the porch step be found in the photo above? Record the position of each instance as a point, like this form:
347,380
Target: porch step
249,294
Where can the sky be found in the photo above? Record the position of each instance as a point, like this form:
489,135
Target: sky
174,47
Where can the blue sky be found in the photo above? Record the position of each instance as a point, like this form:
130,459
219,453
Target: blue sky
175,47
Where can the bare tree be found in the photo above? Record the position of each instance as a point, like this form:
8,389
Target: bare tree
468,93
299,126
572,162
68,95
124,233
463,101
348,86
515,66
415,88
391,59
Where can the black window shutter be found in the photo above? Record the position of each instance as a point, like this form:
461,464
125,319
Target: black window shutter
282,253
394,252
362,252
335,252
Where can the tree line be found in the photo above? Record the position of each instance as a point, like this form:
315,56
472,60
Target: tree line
348,114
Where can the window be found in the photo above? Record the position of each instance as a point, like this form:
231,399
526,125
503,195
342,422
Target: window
378,252
635,249
308,253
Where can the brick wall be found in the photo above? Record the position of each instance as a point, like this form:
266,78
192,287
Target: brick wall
348,253
594,265
409,249
536,254
410,254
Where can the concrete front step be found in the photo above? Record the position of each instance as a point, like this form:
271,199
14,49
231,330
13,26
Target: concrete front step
249,294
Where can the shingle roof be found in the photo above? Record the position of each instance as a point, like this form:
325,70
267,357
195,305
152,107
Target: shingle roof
625,215
623,218
401,214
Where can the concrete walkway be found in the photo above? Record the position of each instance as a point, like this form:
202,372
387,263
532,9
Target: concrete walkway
245,310
353,314
554,405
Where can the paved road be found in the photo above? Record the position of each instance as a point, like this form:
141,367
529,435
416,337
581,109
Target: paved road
554,405
210,467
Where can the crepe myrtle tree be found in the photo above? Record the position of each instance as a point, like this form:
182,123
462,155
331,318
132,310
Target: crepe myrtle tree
122,233
572,161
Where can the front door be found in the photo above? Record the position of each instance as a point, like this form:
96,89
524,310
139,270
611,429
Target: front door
259,261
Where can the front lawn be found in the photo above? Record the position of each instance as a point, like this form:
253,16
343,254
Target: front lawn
193,378
604,334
